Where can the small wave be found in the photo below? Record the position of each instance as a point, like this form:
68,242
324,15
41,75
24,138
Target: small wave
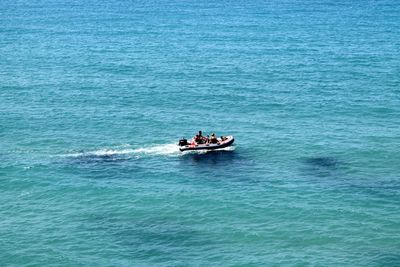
229,148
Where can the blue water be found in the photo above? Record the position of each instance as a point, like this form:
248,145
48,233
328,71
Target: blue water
95,94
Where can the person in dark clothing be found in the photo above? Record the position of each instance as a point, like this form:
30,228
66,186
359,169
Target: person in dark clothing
199,139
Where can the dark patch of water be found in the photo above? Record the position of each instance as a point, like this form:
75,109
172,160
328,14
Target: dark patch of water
321,166
386,259
322,162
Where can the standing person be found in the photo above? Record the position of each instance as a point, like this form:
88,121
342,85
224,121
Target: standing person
199,139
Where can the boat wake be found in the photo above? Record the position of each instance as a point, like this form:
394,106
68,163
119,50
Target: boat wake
127,152
166,149
101,153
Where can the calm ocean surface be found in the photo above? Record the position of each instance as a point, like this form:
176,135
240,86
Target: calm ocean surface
95,94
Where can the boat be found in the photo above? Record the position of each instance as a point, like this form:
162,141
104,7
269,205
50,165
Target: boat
185,146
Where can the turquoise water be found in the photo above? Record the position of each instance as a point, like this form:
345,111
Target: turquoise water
95,94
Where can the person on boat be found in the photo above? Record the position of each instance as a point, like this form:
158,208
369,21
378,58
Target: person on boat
223,138
199,139
213,139
207,139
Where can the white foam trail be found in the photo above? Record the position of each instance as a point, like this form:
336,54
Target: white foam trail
110,152
102,153
165,149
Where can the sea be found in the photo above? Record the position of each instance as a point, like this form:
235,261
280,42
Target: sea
94,96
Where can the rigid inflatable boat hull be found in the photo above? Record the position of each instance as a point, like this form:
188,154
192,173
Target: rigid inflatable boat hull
228,142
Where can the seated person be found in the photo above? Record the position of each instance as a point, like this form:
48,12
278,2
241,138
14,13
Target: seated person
213,139
198,139
223,138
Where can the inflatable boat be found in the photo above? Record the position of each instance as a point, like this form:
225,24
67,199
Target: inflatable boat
185,146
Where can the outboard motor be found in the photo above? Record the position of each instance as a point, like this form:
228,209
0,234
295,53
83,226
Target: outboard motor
183,142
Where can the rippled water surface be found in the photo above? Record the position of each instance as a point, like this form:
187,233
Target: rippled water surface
95,94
